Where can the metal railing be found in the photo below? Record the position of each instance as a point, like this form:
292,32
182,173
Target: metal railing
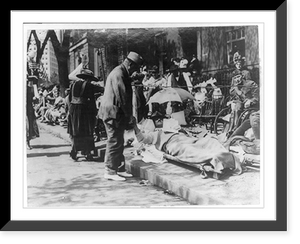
224,77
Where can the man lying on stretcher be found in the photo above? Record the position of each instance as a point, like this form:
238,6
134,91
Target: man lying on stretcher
205,153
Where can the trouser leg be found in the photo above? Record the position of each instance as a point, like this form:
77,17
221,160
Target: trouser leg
114,149
97,130
255,124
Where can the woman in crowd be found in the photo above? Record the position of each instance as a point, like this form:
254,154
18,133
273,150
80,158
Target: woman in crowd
49,100
55,111
82,114
32,130
184,80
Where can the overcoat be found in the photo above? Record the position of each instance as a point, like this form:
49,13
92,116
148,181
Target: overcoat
82,116
116,103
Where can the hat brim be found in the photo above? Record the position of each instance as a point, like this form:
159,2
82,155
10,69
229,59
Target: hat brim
139,63
83,76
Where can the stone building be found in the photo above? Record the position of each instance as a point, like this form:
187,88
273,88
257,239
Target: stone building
95,55
82,51
214,47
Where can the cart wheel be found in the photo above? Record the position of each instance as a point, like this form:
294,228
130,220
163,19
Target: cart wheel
244,115
219,124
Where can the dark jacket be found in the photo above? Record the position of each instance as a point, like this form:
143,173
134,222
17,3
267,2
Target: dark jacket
243,88
82,109
116,103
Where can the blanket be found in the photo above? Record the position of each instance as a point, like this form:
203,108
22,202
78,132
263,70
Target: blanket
206,153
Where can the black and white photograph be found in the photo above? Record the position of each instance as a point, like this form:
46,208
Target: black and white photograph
143,121
143,116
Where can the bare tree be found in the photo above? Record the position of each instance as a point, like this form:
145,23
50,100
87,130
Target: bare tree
39,53
61,52
62,55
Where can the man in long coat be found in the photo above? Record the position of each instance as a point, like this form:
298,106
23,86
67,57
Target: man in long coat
116,113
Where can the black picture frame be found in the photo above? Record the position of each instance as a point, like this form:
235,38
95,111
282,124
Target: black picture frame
280,224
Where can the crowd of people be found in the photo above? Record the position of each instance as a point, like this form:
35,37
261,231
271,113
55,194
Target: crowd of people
51,107
123,104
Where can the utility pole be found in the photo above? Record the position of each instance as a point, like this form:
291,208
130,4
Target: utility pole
199,44
126,42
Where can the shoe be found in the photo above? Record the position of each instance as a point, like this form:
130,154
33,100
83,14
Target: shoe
96,138
124,174
89,157
28,146
114,177
73,155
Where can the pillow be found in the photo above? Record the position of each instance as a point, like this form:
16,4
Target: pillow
171,125
179,116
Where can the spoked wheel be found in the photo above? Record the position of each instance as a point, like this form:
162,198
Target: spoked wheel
244,115
220,125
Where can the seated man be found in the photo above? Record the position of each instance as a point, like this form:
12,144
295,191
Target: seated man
205,153
244,92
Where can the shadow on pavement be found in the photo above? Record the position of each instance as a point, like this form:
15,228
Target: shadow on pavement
47,154
92,190
50,146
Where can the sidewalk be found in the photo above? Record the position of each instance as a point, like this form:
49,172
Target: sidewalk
185,181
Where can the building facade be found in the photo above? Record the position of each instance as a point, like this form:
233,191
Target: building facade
218,44
82,51
214,47
48,60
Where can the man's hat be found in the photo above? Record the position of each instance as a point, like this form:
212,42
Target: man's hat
135,58
86,73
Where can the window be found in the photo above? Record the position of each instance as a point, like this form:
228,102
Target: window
235,42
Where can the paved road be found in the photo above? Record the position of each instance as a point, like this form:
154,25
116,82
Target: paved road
55,180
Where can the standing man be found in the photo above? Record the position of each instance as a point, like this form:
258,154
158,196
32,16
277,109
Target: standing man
116,113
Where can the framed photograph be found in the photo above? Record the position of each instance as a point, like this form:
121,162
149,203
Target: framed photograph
230,65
